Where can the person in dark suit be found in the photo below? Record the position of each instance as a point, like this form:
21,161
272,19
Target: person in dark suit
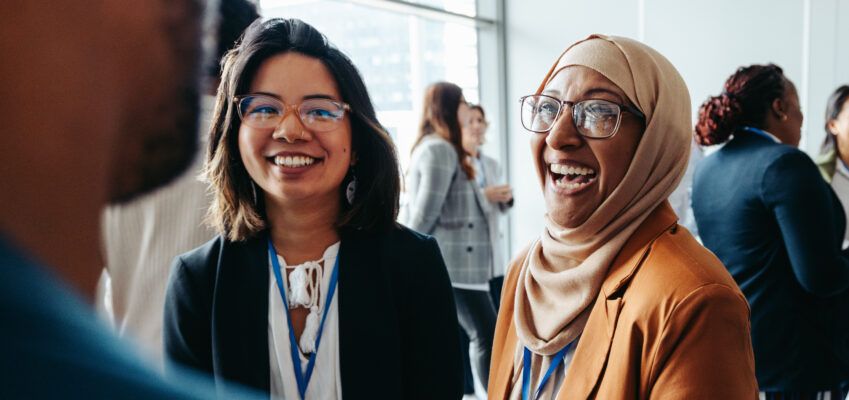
311,290
762,207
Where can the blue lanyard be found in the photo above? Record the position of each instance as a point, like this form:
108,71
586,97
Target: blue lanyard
302,377
757,131
526,371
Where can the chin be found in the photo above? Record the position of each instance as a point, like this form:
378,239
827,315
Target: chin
567,218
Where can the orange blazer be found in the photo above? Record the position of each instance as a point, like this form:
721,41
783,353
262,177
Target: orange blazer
669,323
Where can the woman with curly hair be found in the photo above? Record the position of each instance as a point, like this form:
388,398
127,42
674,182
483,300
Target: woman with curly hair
763,209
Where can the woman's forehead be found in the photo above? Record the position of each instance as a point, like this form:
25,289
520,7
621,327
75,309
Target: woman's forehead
577,81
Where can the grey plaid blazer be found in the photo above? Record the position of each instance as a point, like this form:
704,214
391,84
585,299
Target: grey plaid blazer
492,175
441,201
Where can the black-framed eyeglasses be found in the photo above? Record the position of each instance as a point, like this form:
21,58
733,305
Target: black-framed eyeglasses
265,112
593,118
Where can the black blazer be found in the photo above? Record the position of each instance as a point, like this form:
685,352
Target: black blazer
765,211
398,332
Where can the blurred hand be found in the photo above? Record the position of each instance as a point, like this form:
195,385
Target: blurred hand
498,193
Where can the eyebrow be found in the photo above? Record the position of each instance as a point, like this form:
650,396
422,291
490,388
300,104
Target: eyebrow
588,93
307,97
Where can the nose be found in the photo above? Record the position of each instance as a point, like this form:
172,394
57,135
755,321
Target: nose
563,134
290,128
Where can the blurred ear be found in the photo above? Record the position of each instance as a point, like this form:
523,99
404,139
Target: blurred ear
831,126
778,107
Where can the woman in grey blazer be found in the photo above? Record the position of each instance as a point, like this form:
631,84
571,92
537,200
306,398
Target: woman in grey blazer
444,200
488,175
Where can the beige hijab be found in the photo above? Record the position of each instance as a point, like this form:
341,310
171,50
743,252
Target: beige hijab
562,274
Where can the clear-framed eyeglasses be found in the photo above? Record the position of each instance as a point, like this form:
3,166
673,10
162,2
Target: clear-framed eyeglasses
261,111
594,118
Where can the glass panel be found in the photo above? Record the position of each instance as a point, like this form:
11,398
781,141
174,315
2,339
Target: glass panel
465,7
398,55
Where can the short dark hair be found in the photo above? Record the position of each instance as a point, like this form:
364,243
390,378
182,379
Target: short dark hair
234,17
832,110
745,101
237,211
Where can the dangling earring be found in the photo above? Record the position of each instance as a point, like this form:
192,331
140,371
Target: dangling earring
351,190
784,117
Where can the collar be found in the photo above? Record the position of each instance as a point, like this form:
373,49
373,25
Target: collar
841,167
761,132
625,264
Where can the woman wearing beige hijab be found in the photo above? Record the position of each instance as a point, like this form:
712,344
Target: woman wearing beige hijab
615,300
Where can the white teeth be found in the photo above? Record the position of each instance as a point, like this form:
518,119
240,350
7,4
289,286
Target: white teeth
563,169
293,161
564,184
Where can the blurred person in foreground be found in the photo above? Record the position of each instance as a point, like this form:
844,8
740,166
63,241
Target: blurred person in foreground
99,106
142,236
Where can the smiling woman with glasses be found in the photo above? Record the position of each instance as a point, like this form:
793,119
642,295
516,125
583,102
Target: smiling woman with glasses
615,300
311,290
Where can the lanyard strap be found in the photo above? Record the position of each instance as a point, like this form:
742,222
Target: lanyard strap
526,371
302,377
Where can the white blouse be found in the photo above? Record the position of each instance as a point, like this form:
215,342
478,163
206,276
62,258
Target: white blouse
326,382
840,184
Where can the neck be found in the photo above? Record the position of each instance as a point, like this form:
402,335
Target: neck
301,231
842,150
58,224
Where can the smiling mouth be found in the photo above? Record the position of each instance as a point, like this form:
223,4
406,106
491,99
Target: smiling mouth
572,178
293,161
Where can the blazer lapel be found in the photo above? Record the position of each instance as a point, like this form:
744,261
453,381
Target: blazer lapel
369,338
594,344
240,313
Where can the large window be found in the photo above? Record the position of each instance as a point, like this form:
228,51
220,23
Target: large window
398,52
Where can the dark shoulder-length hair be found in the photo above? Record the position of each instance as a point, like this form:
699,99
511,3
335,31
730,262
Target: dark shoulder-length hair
439,117
832,110
237,210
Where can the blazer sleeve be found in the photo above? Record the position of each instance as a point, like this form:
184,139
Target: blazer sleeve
436,164
186,329
497,175
432,357
705,349
805,209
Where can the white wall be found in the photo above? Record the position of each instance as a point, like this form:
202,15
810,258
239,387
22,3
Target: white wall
706,41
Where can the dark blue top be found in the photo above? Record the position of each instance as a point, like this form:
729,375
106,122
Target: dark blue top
766,212
52,346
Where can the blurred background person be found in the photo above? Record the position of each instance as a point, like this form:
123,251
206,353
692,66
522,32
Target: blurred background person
143,236
489,177
311,287
833,160
76,136
445,200
763,209
681,197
